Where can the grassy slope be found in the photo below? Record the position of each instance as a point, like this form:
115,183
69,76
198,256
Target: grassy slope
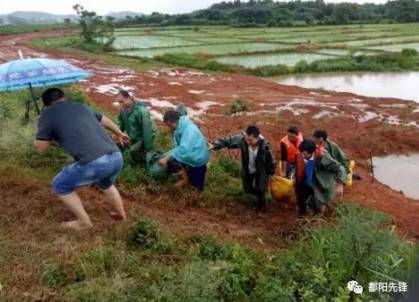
143,262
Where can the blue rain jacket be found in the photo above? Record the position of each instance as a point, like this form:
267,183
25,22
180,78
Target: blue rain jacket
191,147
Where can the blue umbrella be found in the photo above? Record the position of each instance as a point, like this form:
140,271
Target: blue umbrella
30,73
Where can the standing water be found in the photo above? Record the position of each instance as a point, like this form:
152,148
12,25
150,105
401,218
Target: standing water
399,172
401,85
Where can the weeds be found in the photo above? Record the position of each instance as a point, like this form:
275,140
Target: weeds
146,235
54,276
238,105
193,61
357,247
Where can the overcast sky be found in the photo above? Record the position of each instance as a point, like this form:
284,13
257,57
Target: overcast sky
105,6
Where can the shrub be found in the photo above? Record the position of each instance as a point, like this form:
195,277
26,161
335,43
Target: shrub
229,165
301,66
271,70
360,246
217,66
146,235
235,264
409,52
239,105
182,59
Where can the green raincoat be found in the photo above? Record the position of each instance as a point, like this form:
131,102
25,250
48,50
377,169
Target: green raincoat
337,153
327,172
138,125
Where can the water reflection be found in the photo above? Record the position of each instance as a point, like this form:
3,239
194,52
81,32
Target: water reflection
402,85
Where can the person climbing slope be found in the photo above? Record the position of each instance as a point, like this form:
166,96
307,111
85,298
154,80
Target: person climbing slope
80,132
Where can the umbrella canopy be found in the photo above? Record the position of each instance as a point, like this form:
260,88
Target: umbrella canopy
40,72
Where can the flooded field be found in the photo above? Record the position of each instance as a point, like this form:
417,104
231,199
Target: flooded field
400,172
402,85
217,49
289,59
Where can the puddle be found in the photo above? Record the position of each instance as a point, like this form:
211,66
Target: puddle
112,89
196,91
401,85
400,172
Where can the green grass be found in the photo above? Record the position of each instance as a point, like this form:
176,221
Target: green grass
23,28
136,264
71,43
145,262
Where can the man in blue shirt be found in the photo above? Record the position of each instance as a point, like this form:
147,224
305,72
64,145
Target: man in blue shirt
80,132
318,178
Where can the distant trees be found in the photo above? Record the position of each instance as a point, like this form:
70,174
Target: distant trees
279,13
95,29
403,10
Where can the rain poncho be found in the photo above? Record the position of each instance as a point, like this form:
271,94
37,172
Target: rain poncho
191,147
138,125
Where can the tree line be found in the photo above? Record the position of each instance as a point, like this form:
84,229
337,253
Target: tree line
272,13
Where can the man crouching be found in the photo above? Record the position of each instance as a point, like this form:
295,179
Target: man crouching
78,130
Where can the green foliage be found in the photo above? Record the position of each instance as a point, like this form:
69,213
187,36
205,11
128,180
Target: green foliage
359,247
105,289
235,264
182,59
23,28
384,62
238,105
229,165
270,70
146,234
301,66
163,141
217,66
54,275
190,60
408,52
219,185
94,29
132,174
286,13
102,261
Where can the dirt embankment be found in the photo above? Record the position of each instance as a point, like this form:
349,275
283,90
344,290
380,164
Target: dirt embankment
359,124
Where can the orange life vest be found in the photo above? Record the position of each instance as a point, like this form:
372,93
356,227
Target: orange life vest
291,147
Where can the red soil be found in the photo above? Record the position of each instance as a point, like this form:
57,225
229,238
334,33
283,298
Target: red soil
233,221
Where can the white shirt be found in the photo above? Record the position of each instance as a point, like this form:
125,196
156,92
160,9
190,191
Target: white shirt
252,159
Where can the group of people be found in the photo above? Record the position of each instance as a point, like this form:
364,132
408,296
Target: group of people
319,167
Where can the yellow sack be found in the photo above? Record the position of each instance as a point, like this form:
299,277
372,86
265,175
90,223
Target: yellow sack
351,170
282,189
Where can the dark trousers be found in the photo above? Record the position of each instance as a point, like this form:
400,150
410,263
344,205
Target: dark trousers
196,175
253,187
304,197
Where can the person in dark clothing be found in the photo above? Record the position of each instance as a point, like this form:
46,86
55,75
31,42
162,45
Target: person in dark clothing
257,159
318,178
80,132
